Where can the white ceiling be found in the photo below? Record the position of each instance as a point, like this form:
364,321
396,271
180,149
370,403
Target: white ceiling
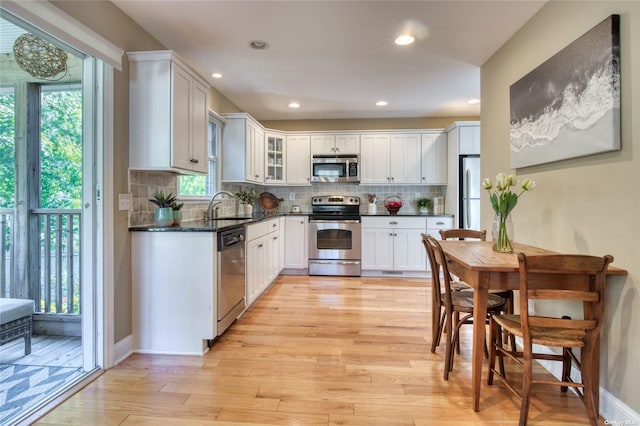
338,58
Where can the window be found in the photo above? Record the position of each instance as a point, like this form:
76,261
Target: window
203,186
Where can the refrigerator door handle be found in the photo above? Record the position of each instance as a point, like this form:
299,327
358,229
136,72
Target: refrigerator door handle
466,195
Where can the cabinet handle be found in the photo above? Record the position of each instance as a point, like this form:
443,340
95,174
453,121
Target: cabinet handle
194,160
275,238
391,234
260,245
274,225
424,178
393,222
392,178
439,223
302,223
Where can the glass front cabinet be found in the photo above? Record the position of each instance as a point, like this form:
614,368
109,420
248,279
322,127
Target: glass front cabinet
275,159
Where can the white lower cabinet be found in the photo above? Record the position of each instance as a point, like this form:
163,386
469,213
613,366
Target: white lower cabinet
296,250
263,257
393,244
435,224
173,295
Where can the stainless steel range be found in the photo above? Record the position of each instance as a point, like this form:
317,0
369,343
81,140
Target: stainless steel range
334,235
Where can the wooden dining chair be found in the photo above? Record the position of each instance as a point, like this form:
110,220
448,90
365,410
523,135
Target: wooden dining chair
539,277
454,303
481,235
463,234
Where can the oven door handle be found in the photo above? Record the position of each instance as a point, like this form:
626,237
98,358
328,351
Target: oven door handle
335,262
333,221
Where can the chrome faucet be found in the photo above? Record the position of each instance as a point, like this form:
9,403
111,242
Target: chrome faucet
209,214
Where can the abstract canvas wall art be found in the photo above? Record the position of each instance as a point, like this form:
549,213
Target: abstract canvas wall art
569,106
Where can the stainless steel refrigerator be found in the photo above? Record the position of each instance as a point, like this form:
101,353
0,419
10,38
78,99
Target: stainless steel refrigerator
470,185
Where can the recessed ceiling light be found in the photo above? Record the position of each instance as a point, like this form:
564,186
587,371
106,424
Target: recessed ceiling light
473,101
404,39
258,45
381,103
216,75
294,105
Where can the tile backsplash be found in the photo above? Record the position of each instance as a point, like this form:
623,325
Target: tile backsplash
144,183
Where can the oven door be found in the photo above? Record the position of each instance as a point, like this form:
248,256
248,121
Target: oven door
334,247
334,239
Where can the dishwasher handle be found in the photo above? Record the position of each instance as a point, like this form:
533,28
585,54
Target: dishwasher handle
228,239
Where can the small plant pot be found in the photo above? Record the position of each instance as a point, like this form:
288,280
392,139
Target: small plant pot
177,217
164,216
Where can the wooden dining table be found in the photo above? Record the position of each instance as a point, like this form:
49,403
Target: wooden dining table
478,265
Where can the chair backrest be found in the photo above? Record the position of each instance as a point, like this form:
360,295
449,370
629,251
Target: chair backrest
458,233
539,276
438,263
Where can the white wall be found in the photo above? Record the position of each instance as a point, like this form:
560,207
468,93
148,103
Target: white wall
589,205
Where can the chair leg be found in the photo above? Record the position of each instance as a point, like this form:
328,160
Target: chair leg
449,349
456,321
526,384
566,368
492,350
436,341
589,400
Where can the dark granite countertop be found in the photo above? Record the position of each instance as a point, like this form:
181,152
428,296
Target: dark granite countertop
408,214
216,225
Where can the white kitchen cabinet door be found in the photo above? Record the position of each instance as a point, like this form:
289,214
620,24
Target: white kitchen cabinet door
274,257
256,268
469,140
296,242
408,250
374,154
283,237
168,110
405,153
298,160
434,225
242,149
434,158
347,144
377,249
255,171
323,144
275,154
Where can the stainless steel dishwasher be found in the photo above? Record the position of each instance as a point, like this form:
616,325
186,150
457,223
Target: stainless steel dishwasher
231,276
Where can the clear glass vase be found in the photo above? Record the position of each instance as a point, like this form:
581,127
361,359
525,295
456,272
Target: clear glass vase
502,234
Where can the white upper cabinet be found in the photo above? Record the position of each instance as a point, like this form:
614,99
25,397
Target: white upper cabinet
469,140
243,147
374,158
335,144
298,160
434,158
168,110
276,159
405,153
390,158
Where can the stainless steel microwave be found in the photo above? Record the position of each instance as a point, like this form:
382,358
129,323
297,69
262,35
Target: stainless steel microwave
335,168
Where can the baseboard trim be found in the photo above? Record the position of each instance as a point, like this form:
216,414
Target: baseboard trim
123,349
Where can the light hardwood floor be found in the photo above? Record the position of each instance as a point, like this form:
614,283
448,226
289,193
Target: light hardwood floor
313,351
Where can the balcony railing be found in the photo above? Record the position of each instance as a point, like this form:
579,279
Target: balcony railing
58,289
6,257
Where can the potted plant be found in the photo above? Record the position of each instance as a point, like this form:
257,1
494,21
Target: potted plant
177,213
424,205
164,211
247,199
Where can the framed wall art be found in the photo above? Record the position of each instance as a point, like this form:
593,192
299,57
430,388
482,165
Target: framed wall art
569,106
